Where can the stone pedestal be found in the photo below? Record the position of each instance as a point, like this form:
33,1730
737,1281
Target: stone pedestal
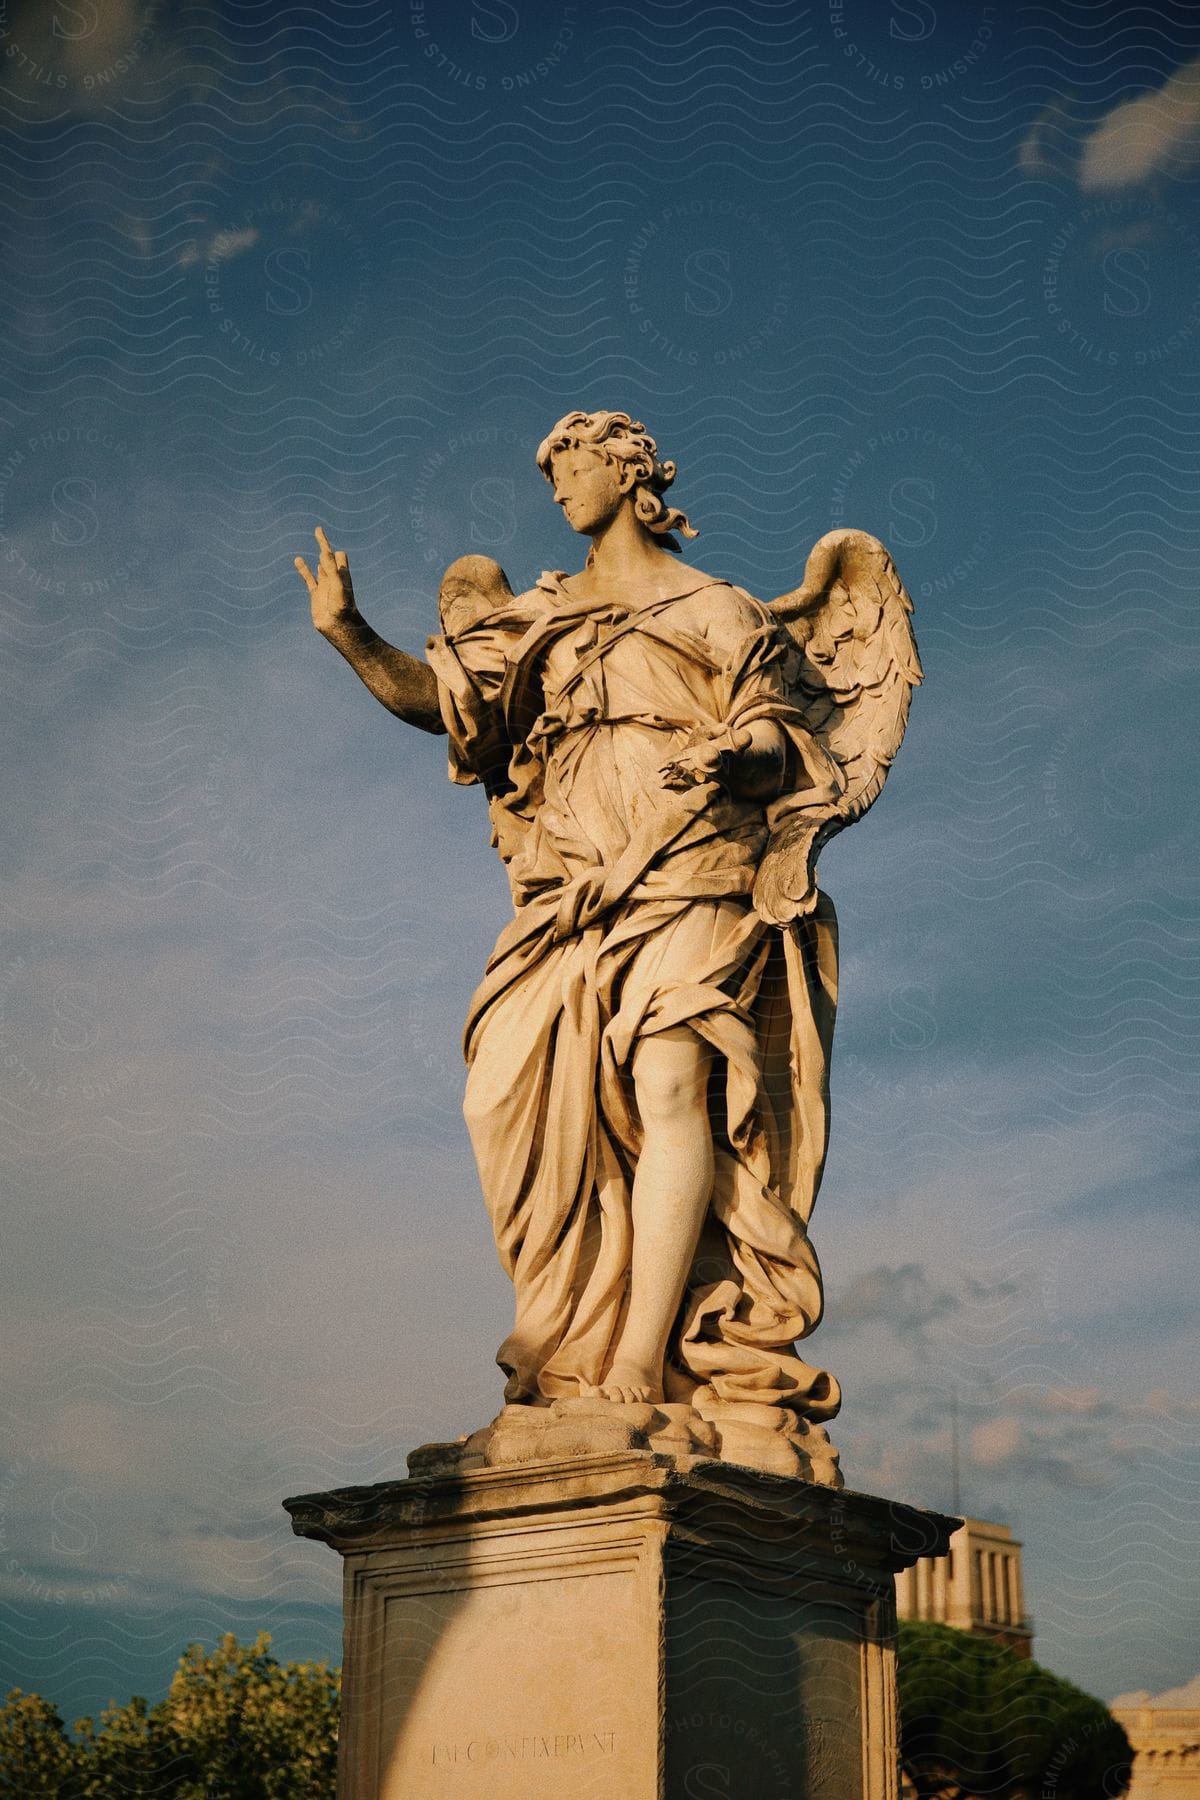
617,1626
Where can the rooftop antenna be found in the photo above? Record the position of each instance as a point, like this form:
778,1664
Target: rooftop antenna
954,1467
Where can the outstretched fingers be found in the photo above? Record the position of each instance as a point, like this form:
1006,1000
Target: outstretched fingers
330,558
306,575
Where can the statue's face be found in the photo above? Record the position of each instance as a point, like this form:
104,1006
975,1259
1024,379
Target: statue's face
589,488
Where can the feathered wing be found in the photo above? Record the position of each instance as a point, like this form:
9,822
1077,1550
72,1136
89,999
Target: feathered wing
852,669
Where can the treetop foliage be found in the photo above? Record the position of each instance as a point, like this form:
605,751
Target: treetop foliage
979,1722
235,1725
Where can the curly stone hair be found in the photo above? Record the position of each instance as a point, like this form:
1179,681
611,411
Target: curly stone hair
624,440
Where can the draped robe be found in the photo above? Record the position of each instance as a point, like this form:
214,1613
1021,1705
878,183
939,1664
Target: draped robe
633,916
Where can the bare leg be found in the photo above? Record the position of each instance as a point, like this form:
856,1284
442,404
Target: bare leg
671,1192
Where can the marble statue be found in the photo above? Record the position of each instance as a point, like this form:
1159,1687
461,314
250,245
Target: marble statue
648,1053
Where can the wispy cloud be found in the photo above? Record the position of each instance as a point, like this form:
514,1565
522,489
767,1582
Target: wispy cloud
1186,1696
1051,145
1156,134
222,246
78,61
905,1300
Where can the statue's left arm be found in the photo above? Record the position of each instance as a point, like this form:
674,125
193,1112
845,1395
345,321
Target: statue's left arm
764,746
750,760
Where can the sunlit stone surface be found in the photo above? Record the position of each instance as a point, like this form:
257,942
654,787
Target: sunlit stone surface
617,1625
641,1580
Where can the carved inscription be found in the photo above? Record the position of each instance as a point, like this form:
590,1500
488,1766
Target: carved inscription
551,1746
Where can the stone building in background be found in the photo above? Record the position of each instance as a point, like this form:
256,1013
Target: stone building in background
1164,1730
977,1587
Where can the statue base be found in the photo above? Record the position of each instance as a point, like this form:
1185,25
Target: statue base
769,1438
620,1624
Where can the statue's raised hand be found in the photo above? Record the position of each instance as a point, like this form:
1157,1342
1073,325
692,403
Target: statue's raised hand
330,590
404,684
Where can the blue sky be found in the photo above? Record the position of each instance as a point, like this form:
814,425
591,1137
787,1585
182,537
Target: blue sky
929,270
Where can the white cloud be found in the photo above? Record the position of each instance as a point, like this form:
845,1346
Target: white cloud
222,246
1186,1696
82,58
1156,134
1050,145
997,1442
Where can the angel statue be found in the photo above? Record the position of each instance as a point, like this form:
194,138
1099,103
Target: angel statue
648,1052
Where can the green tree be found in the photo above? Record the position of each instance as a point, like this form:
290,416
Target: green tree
249,1728
978,1722
36,1755
235,1725
131,1752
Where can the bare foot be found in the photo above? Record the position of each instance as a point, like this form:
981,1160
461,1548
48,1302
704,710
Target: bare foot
630,1384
